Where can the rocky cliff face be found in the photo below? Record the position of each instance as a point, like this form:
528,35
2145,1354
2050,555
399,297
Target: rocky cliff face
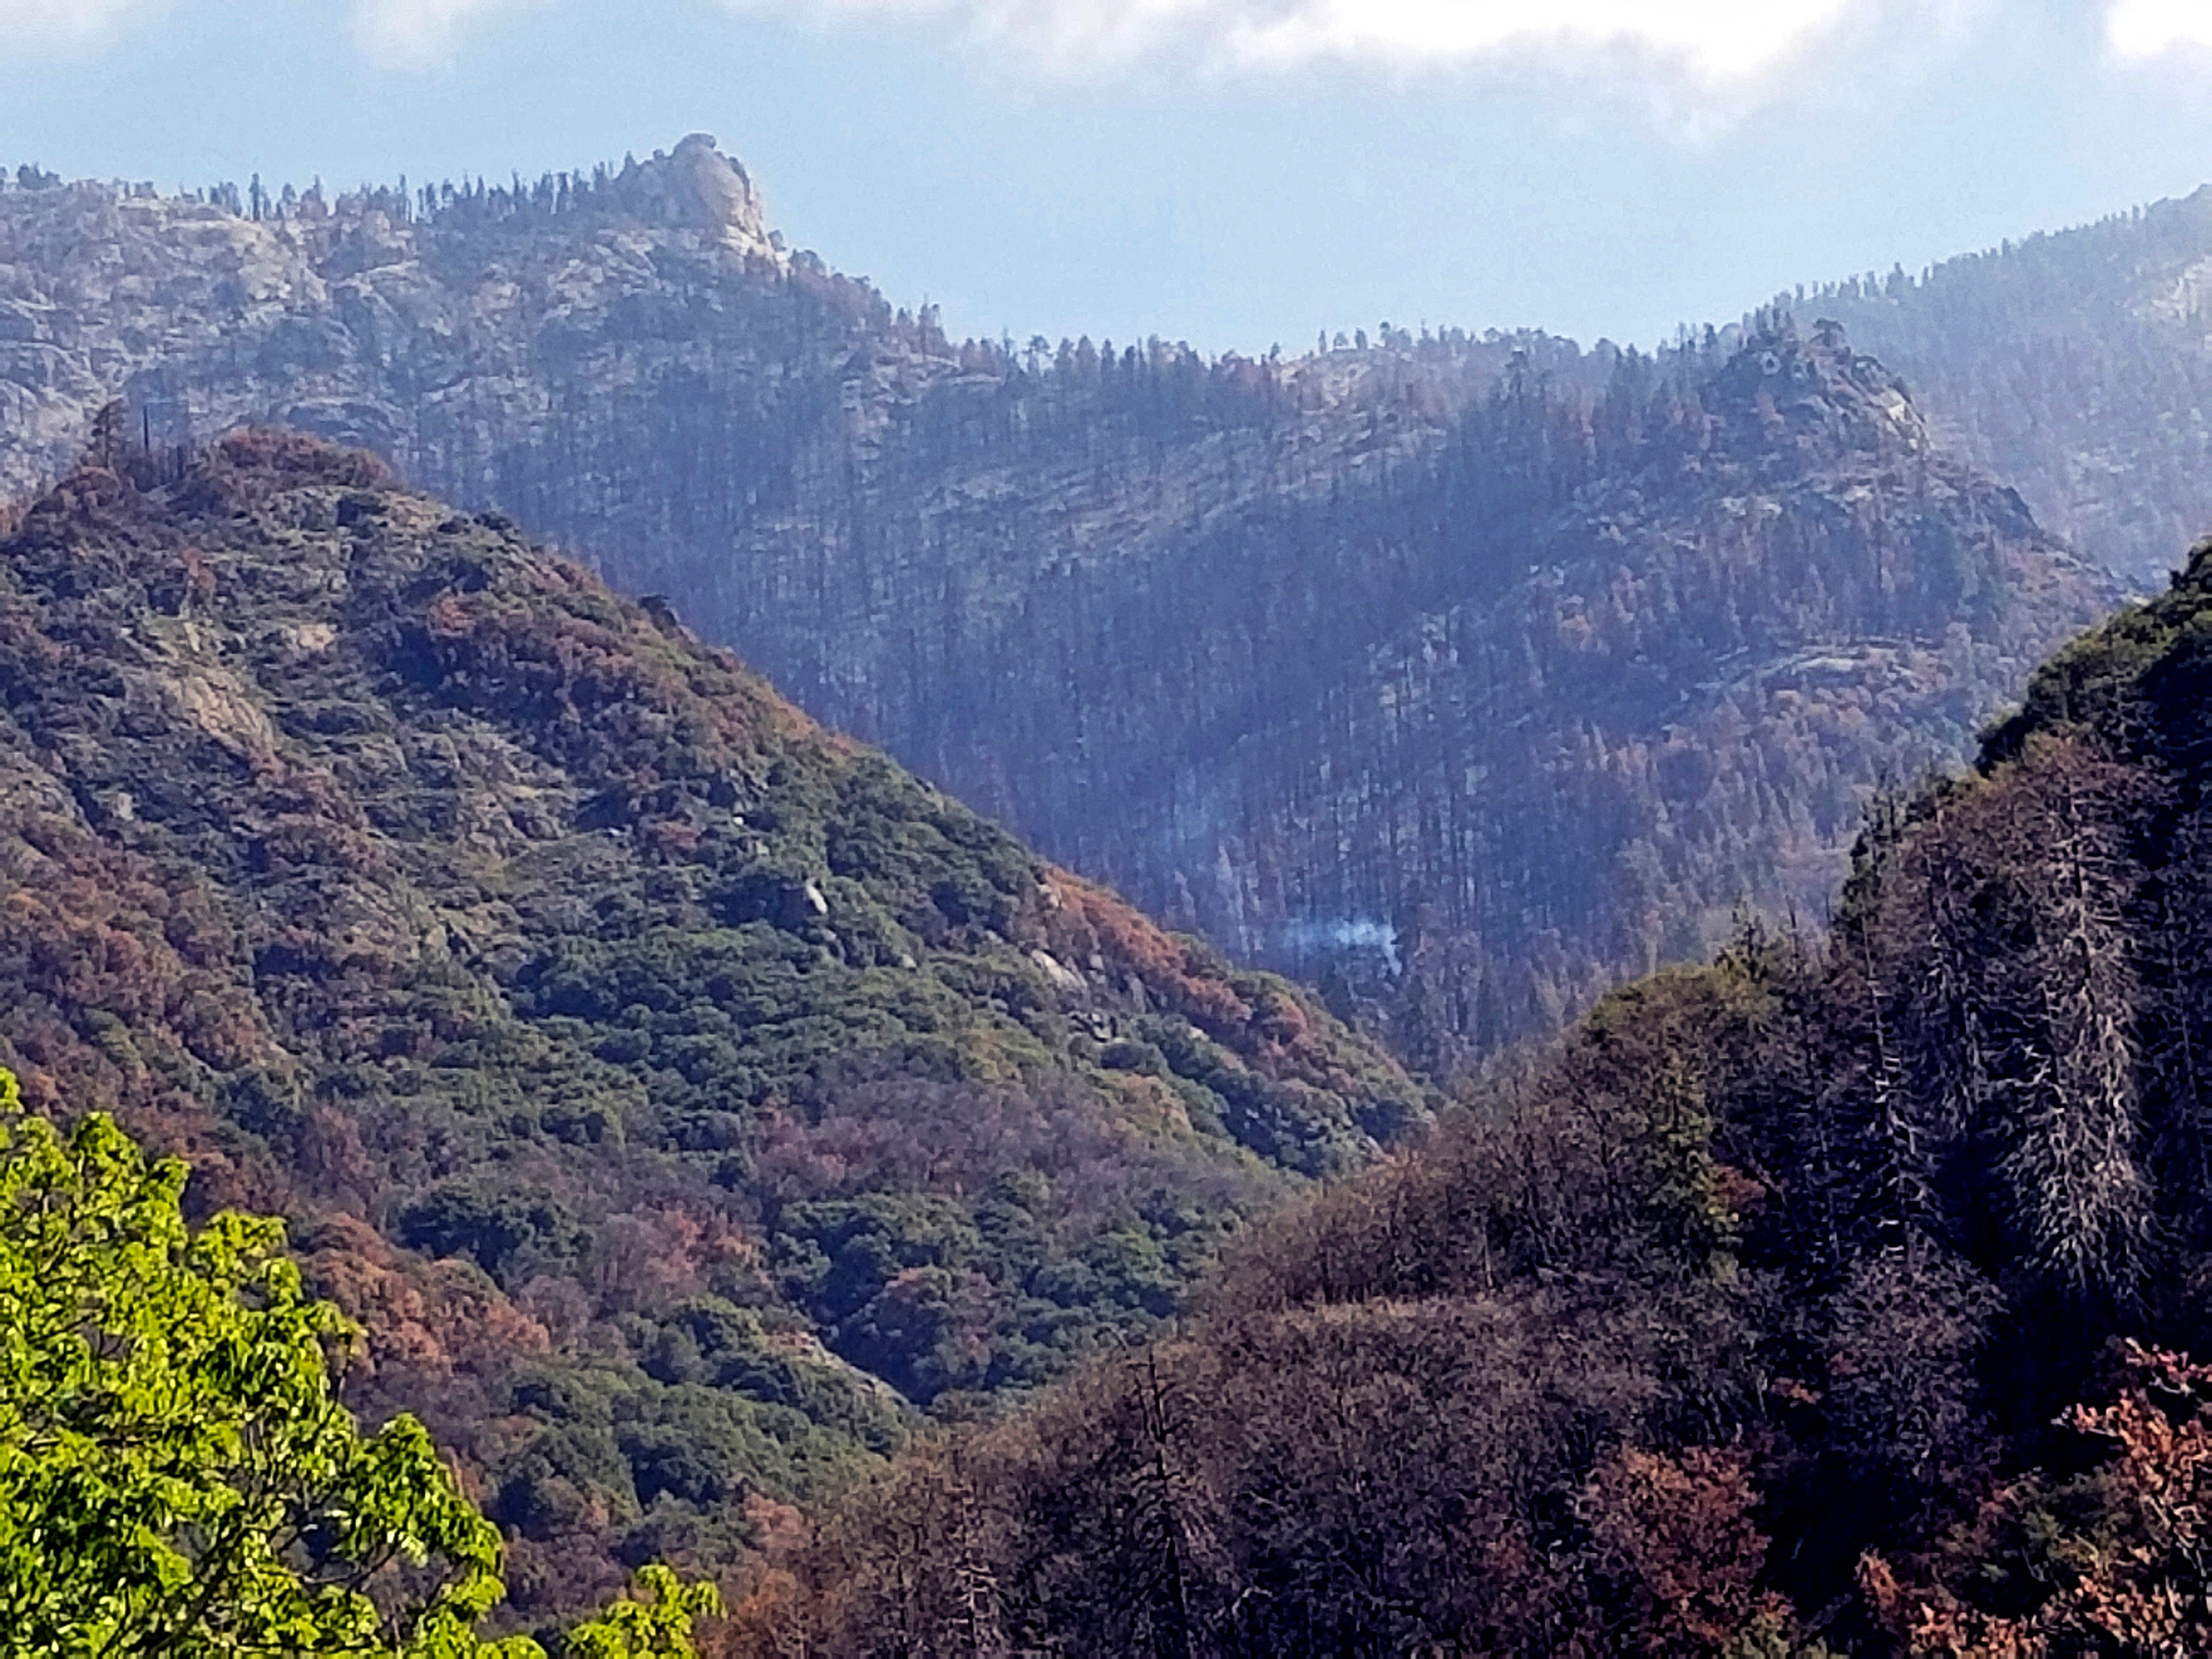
2077,366
1658,695
1474,673
429,340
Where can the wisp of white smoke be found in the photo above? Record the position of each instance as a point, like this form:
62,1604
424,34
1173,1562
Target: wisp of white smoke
1352,934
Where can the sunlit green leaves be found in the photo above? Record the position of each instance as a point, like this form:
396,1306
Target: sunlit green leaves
176,1473
177,1476
655,1622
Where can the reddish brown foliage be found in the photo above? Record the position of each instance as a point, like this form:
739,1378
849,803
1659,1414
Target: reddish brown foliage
1677,1531
2137,1578
1254,1016
421,1316
259,460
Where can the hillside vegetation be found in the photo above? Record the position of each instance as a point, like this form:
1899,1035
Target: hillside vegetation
1470,672
684,1098
177,1475
1832,1298
2075,365
1634,662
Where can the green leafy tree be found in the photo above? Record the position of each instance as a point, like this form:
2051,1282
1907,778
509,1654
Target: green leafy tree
655,1622
177,1473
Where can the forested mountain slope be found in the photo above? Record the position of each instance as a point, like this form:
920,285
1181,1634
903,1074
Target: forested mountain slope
1471,674
1748,1321
682,1096
1644,656
2076,366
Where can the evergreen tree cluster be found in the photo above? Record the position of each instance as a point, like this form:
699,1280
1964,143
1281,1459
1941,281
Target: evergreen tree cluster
683,1099
2073,365
1833,1298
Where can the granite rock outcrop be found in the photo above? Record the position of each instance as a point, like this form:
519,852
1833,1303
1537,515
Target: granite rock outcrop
1464,674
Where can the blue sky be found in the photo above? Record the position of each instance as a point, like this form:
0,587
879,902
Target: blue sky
1236,173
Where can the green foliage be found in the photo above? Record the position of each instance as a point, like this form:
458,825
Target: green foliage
428,885
509,1234
654,1622
176,1474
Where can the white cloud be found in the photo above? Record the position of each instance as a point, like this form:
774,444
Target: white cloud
1716,41
415,34
1724,47
46,24
1718,46
2144,28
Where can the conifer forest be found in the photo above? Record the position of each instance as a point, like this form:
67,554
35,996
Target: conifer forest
689,969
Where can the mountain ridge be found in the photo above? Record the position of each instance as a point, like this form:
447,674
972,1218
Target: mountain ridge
1835,1296
682,1095
2072,363
1160,613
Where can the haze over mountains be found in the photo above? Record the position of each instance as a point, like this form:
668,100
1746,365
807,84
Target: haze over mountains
1748,1322
745,1154
1468,674
2073,365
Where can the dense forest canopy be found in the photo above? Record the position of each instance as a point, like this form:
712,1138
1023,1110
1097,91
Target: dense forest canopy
1467,673
2074,365
685,1099
1833,1298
